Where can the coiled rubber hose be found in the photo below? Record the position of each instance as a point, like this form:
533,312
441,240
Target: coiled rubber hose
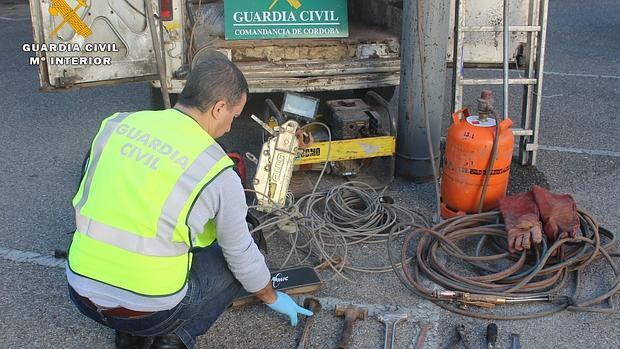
492,270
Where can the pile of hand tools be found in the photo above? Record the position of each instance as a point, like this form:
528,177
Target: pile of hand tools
351,314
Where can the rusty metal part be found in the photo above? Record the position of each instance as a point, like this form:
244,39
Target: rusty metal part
424,330
336,262
485,105
391,320
314,306
351,314
305,139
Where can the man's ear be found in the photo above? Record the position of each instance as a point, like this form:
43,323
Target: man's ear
218,108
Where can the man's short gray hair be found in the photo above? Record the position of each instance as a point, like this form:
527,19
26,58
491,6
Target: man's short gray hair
213,79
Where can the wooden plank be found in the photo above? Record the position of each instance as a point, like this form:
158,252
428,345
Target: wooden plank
318,71
297,280
252,67
323,83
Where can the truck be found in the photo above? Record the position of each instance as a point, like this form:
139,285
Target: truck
119,46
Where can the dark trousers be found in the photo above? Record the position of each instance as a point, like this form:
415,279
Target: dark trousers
211,289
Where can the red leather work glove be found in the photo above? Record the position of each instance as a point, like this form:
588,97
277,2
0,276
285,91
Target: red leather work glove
558,213
522,221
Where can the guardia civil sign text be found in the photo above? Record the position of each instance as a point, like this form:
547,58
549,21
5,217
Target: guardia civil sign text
283,19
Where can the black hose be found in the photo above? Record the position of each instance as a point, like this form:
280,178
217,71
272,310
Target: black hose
489,170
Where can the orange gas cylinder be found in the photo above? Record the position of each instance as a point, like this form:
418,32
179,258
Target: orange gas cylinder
468,152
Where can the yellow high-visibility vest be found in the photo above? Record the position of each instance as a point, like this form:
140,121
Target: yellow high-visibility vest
135,207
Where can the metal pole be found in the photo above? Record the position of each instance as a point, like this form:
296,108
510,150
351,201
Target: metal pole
540,69
528,90
457,56
413,160
157,48
506,53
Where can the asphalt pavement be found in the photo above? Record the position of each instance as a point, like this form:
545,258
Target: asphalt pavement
43,137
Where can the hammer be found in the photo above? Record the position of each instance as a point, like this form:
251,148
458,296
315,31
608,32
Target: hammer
351,314
314,306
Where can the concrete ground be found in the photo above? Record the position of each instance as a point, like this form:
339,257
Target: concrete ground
43,138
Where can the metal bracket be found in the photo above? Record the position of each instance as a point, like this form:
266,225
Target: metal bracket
531,147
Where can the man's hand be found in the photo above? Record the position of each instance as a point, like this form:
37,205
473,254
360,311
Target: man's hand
522,221
267,294
284,304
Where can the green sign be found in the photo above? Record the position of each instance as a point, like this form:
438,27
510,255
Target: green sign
285,19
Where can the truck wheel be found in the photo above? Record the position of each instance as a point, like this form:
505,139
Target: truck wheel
157,101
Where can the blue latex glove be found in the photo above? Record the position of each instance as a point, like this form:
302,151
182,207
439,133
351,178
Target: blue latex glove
284,304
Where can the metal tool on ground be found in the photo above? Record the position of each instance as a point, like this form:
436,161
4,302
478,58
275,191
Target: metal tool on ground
391,321
351,314
314,306
298,280
492,336
515,342
423,333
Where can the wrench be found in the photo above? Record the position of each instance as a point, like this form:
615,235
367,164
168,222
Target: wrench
424,330
314,306
391,320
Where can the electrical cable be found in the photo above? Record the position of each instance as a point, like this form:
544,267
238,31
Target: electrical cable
530,276
429,138
190,50
329,150
492,158
324,225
